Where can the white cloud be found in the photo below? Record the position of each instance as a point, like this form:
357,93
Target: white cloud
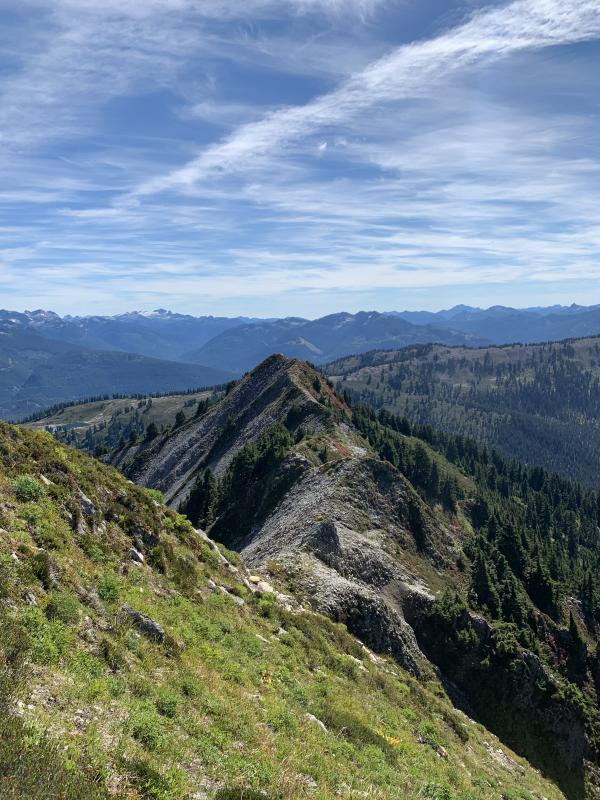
407,72
70,57
219,9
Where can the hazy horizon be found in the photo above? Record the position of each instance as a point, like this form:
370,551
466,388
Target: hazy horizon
266,316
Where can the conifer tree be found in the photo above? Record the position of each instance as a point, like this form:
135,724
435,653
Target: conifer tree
483,588
577,645
180,418
151,432
541,588
514,608
510,544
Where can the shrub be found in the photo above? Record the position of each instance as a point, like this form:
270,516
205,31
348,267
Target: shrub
14,648
113,654
9,578
27,489
153,784
146,728
63,607
437,791
140,686
429,734
191,686
459,727
166,704
45,569
50,640
267,606
185,571
155,494
108,588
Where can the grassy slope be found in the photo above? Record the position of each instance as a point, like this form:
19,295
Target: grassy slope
220,706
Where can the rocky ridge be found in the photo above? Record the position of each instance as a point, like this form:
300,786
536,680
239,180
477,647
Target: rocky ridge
352,536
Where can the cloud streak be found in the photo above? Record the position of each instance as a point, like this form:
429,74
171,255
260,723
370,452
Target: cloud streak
407,72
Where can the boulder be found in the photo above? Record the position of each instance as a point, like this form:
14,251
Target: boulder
87,507
144,624
136,556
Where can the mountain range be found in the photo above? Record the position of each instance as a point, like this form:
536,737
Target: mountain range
221,347
158,334
503,325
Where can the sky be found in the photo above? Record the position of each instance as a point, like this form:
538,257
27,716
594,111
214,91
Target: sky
298,157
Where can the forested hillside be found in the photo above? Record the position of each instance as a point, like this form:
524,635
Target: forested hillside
38,372
101,425
538,403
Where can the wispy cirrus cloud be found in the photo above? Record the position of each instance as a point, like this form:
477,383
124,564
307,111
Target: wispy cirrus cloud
69,57
215,8
405,73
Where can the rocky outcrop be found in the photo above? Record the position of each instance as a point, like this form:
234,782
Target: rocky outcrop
337,534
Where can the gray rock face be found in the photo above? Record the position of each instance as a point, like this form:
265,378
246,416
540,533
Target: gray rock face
136,556
49,570
87,507
337,534
143,537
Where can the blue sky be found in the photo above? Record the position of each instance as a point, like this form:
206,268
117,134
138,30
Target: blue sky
298,157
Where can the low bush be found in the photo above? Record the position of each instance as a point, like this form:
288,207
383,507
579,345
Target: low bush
166,704
147,730
28,489
108,588
63,607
